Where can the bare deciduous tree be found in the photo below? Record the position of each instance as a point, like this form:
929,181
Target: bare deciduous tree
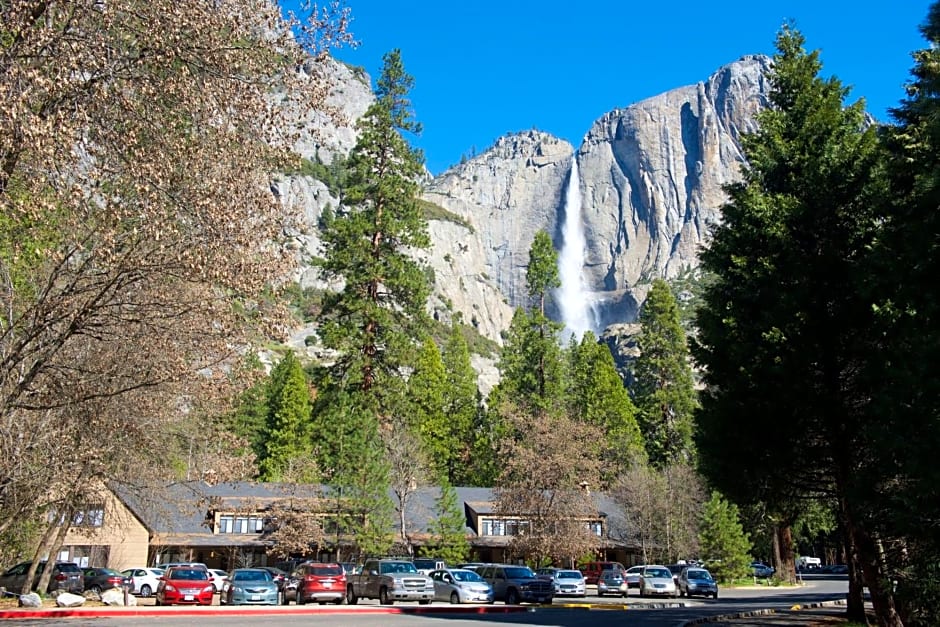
137,232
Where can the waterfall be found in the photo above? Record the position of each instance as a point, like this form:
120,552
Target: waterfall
572,297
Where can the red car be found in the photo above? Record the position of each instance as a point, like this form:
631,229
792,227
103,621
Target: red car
185,585
316,582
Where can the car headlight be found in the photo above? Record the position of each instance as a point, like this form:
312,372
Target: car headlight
169,588
208,588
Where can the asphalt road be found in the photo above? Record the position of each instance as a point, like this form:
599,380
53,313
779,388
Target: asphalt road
635,611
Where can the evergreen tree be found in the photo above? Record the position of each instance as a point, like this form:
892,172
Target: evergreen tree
377,319
449,533
287,446
541,278
724,545
373,321
787,336
664,389
906,277
461,406
598,396
427,418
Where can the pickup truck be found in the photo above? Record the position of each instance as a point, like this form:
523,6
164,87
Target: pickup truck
389,580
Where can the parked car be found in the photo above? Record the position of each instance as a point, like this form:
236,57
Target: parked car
568,582
806,562
185,585
316,582
592,570
217,577
98,579
279,576
612,581
516,584
695,581
460,585
168,565
250,586
676,569
350,568
632,576
426,564
657,580
759,569
389,580
65,576
143,580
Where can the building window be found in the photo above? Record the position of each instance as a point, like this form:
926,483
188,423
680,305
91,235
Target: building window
241,524
596,528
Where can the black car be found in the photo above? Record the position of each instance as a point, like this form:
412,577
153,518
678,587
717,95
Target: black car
65,576
280,577
99,579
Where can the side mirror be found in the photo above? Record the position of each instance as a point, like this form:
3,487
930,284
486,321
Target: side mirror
374,573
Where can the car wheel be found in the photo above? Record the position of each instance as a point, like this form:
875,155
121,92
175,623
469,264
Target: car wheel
600,593
339,601
96,589
383,596
454,598
715,596
145,591
300,598
351,597
512,598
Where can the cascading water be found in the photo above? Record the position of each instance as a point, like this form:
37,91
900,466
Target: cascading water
572,297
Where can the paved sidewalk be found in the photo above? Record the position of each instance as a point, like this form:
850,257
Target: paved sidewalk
824,615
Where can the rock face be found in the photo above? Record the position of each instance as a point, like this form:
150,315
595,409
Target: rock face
651,183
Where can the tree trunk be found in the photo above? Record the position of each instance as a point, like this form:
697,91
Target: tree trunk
775,547
41,551
880,588
54,551
855,602
787,554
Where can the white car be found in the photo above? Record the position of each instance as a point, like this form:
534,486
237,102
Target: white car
567,582
217,577
145,580
657,580
459,585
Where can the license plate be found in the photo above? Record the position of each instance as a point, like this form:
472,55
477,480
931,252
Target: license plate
188,597
256,597
327,585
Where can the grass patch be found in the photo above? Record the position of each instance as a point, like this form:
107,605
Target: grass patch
433,211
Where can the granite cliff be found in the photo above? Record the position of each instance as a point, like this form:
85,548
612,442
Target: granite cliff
651,178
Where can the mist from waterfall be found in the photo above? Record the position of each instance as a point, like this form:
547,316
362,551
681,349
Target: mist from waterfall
572,297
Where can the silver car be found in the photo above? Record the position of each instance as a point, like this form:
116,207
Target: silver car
657,580
460,585
568,583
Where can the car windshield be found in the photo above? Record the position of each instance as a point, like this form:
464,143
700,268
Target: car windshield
698,574
519,572
658,572
424,563
398,567
326,571
466,576
252,575
568,574
190,574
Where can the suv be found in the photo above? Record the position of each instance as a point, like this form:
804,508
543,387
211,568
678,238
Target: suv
593,570
65,576
316,581
516,584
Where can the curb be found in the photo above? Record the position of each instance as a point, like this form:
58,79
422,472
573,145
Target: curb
753,613
151,611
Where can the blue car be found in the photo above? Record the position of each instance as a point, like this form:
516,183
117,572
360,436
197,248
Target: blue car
250,586
696,581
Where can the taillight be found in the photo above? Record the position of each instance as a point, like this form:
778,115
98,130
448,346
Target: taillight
310,578
61,577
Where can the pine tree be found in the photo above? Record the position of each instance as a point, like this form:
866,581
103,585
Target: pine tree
788,338
374,320
461,406
427,418
664,390
378,317
287,446
724,545
598,396
449,534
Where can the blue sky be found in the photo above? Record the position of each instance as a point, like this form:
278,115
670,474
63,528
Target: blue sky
483,69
